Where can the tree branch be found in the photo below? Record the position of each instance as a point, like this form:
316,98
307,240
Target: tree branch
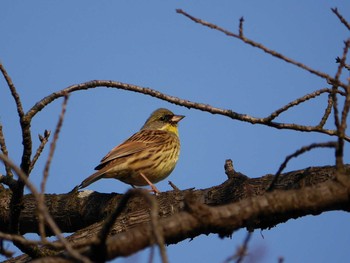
341,18
3,148
241,201
175,100
248,41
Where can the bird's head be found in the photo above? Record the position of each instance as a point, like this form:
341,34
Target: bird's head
163,119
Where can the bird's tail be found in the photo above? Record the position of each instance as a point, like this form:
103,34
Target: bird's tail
92,178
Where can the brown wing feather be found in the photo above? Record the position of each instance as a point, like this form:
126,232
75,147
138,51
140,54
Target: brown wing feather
136,143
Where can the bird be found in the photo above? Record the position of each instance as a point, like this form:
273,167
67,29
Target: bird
147,157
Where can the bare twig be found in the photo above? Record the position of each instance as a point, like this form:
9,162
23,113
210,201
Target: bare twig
341,18
158,236
346,66
19,239
57,245
241,251
296,154
4,151
43,209
298,101
327,112
47,168
13,90
345,111
340,124
262,47
173,186
43,140
27,143
53,144
241,21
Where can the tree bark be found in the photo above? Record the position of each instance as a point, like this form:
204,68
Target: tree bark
240,202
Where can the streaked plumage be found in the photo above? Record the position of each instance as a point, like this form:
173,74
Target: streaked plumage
152,153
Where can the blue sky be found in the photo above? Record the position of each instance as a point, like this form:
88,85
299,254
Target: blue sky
48,45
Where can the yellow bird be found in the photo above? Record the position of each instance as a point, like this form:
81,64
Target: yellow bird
147,157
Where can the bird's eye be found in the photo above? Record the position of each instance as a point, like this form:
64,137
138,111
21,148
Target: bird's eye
165,118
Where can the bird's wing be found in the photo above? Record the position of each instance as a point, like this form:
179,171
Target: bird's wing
136,143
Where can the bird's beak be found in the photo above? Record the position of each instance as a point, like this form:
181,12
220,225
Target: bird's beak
177,118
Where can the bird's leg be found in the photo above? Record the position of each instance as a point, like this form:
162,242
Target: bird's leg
154,188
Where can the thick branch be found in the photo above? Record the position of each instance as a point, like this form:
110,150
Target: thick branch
240,202
74,211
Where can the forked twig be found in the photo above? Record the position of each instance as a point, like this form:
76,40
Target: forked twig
27,142
298,101
296,154
260,46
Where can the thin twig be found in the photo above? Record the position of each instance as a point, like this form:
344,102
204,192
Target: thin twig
47,168
340,124
345,111
57,245
19,239
53,144
296,102
43,140
4,151
241,21
241,251
49,220
327,112
27,143
159,239
13,90
346,66
296,154
262,47
341,18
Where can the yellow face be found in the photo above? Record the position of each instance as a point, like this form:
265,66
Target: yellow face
170,127
163,119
